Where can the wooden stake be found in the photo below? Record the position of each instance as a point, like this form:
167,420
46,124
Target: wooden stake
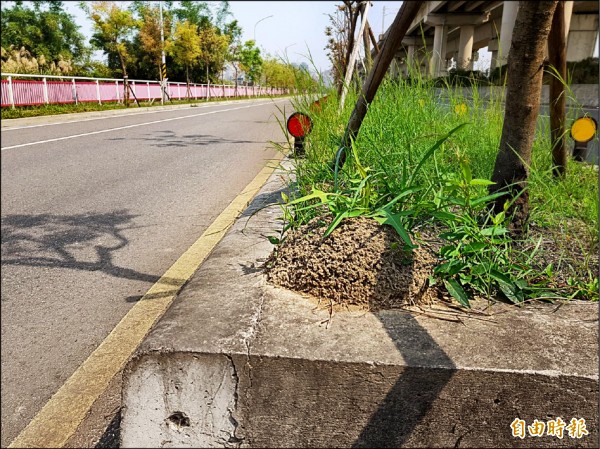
352,62
408,11
557,57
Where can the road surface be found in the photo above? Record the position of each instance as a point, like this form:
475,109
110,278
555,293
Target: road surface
95,209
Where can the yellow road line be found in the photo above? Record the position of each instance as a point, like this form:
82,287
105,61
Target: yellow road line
58,420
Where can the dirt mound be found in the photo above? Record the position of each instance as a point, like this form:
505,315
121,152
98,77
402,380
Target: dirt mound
360,264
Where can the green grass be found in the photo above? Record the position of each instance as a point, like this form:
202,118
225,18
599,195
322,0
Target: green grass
402,126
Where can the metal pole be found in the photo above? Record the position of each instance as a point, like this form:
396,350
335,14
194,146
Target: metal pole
254,36
164,59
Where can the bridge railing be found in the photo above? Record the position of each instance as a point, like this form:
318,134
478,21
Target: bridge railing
30,90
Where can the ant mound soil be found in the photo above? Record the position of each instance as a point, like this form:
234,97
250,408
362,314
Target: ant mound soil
361,264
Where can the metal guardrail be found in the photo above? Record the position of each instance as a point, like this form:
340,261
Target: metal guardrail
30,90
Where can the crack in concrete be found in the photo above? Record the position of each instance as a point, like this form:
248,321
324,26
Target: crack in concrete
234,440
250,335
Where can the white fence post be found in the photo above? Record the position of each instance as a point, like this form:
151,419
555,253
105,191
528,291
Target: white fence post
179,90
75,91
98,91
117,87
11,95
46,98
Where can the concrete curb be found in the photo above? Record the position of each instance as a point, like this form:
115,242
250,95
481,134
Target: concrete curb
236,362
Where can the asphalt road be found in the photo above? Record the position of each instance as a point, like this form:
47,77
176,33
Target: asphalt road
95,208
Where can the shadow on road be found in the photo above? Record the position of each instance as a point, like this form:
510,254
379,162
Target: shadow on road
78,242
171,139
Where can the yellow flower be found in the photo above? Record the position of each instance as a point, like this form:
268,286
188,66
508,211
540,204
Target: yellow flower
460,109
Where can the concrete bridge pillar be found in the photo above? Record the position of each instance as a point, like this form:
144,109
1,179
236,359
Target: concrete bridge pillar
583,32
568,13
410,56
436,64
465,48
509,16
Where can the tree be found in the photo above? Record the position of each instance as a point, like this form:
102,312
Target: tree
525,68
250,61
197,13
213,48
43,31
113,27
149,33
211,20
185,47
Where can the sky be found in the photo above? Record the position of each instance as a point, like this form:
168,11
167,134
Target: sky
293,30
296,28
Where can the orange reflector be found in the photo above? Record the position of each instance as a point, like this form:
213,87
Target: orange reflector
583,129
299,124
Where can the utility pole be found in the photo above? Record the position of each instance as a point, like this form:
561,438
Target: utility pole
163,67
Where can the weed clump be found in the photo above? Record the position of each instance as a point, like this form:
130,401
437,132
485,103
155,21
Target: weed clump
422,163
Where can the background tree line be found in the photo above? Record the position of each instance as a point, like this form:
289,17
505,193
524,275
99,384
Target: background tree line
200,41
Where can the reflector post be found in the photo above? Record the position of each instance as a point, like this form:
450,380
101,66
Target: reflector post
582,131
299,124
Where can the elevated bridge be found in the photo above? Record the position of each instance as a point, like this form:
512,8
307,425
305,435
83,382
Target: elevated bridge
448,34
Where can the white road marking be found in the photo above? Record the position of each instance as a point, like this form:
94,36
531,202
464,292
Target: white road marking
133,126
147,111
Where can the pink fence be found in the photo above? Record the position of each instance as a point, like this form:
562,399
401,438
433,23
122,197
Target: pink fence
25,92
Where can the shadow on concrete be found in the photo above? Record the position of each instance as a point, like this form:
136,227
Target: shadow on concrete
417,388
78,242
111,436
428,369
163,139
265,200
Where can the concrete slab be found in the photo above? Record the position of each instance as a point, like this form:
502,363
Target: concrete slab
236,362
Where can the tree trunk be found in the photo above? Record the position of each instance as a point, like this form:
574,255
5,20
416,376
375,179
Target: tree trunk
557,58
235,91
207,84
523,91
187,81
125,87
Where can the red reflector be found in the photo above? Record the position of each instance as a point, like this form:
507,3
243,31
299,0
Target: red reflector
299,124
